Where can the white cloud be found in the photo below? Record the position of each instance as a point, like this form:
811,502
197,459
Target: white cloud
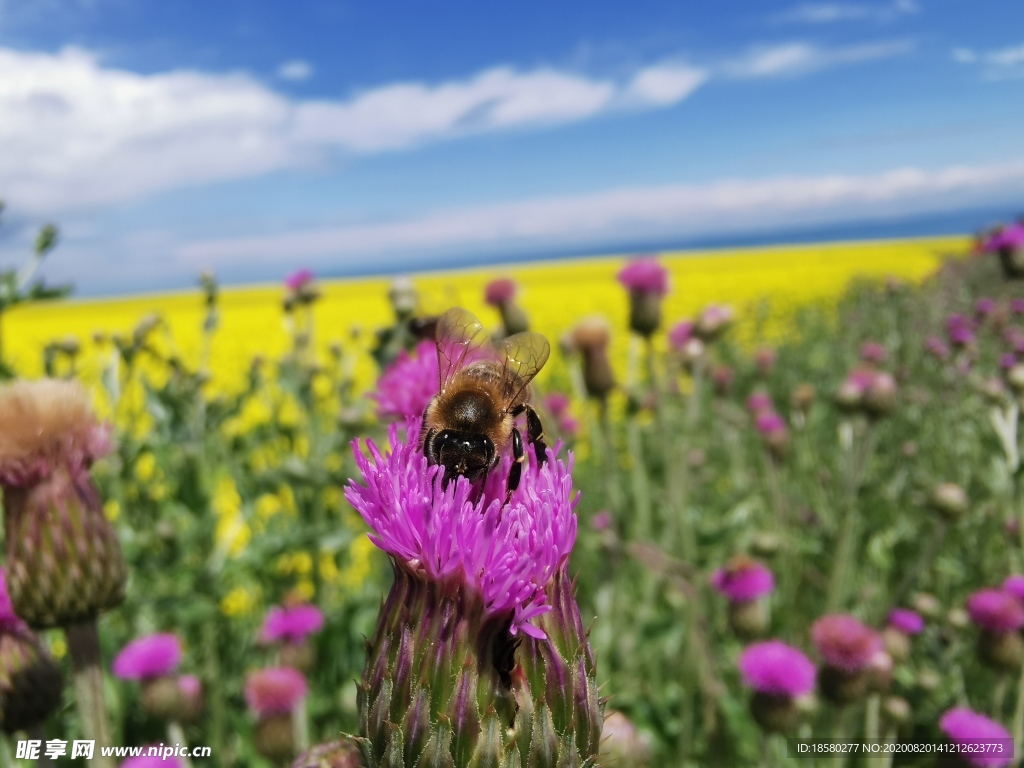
801,58
1004,63
827,13
296,69
76,133
675,210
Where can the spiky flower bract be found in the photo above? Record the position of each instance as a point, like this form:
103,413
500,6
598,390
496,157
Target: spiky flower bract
30,681
480,656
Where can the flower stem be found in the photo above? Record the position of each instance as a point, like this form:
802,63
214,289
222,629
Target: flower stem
84,646
999,696
216,696
300,726
872,712
176,736
1018,722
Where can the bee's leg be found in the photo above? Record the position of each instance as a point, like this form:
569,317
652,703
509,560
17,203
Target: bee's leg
535,433
517,464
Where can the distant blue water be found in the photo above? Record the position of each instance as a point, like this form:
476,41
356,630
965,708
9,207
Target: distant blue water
958,222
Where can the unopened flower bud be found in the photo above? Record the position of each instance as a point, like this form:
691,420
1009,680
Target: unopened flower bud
591,337
803,397
880,396
622,744
950,500
765,544
713,321
647,283
403,297
64,563
896,710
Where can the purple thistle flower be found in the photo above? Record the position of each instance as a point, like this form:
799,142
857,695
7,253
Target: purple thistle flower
291,624
845,642
984,307
1008,237
872,352
500,291
152,761
602,521
1007,361
962,725
1017,306
275,691
645,275
680,334
906,621
743,580
760,402
770,424
1015,586
995,611
505,554
408,385
777,669
936,347
148,657
299,279
557,403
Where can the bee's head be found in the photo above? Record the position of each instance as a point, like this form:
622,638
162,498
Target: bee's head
461,453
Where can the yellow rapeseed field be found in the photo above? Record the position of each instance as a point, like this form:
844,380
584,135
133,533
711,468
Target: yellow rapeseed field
555,295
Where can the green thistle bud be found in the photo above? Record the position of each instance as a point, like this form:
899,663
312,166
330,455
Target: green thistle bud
64,563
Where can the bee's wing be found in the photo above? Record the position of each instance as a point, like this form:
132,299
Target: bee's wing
459,334
523,355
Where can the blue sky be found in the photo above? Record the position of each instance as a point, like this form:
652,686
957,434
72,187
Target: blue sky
255,137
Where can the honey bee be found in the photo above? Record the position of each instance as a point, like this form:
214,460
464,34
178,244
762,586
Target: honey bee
482,389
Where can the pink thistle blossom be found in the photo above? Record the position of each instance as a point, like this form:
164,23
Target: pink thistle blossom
984,307
936,347
291,624
148,657
743,580
1017,306
1007,237
906,621
770,424
299,279
1015,586
557,403
760,402
844,642
407,386
964,726
764,360
505,554
500,291
1007,361
680,334
872,352
275,691
777,669
995,611
645,275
